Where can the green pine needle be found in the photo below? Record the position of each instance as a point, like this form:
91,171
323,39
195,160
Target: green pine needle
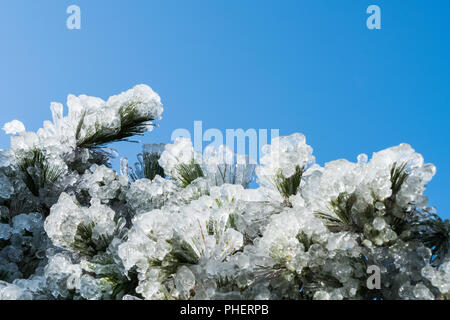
187,173
152,167
42,174
342,207
345,218
398,177
289,186
397,214
303,238
132,123
124,285
182,251
84,244
121,284
435,234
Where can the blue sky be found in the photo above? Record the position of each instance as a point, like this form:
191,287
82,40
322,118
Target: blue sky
301,66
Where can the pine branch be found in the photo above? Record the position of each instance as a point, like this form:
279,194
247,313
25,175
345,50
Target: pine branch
84,244
182,251
346,219
125,285
224,282
306,241
229,172
397,216
148,164
37,173
132,123
342,208
152,167
267,273
398,177
434,234
106,267
289,186
79,126
187,173
311,282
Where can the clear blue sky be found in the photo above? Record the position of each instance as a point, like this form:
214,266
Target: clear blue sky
300,66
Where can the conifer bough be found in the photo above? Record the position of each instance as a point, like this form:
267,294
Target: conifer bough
179,225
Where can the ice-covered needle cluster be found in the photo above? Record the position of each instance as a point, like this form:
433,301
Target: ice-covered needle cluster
182,225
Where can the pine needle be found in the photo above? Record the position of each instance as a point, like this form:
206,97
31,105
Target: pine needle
435,234
182,251
342,208
132,123
289,186
152,167
187,173
37,173
84,243
303,238
398,177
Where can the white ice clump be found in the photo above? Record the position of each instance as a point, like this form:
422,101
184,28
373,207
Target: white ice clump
180,152
13,127
6,188
67,217
439,278
10,291
62,276
282,156
156,192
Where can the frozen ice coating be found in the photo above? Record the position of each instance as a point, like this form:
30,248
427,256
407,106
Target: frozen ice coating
5,159
180,152
218,165
183,225
221,165
148,102
282,156
14,127
145,195
6,188
89,115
